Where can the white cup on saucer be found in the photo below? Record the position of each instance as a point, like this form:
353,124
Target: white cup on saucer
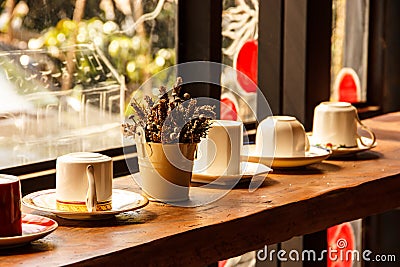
219,153
281,136
84,182
336,123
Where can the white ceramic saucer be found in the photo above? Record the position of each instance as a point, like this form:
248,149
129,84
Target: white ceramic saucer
122,201
345,151
249,169
314,155
34,227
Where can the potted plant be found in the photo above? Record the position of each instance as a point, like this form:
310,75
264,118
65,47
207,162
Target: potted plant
167,132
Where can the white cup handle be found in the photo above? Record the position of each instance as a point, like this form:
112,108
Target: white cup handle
307,143
369,131
140,141
91,197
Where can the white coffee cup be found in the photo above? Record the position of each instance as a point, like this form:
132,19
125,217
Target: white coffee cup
281,136
336,123
84,182
219,153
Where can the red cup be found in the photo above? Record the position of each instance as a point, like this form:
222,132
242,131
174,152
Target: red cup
10,206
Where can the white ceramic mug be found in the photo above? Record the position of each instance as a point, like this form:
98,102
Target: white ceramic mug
84,182
336,123
281,136
219,153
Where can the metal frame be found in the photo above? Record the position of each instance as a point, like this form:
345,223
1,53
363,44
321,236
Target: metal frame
200,39
384,55
270,54
295,37
376,53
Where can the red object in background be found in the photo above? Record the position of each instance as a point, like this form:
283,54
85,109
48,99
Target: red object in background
348,89
247,65
340,238
228,109
222,263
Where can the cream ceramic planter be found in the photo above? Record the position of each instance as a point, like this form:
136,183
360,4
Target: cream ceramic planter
166,170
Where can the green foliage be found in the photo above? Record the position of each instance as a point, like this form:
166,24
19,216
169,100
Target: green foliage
137,54
131,56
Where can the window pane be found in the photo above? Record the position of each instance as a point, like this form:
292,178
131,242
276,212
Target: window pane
240,51
67,71
349,50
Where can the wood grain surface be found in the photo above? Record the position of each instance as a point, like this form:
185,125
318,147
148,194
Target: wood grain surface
289,203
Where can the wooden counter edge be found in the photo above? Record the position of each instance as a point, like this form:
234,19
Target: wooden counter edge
205,245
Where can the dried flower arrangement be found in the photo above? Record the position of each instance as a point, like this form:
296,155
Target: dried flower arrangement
171,119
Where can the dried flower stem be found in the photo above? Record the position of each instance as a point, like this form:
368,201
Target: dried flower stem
171,119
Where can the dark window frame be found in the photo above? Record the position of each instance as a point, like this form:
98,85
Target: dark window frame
299,45
383,58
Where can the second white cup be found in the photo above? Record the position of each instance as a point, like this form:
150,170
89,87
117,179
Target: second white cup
219,153
281,136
